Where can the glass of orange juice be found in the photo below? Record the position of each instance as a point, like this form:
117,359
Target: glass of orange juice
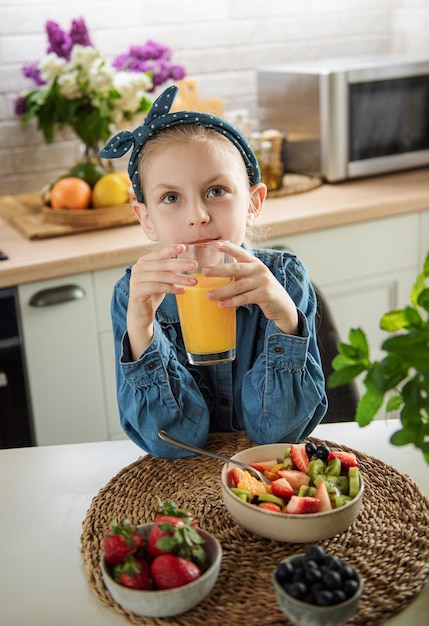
208,330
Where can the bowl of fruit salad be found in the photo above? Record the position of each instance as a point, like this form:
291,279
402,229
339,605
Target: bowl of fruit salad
313,492
317,588
160,569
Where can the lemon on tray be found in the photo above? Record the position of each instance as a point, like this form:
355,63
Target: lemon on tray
110,190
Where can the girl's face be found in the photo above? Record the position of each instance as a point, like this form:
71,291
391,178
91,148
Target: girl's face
197,191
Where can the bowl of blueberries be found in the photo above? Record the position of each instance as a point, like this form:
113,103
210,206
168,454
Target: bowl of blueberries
314,587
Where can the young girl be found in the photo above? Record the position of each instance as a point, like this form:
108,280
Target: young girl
196,179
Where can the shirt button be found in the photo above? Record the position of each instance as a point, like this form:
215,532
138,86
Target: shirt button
278,350
151,366
224,401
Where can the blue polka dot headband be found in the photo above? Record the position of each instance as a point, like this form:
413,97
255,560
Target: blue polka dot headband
159,118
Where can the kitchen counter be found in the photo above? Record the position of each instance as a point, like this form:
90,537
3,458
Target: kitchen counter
327,206
45,494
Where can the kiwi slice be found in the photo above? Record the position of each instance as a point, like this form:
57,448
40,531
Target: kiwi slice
269,497
354,482
334,482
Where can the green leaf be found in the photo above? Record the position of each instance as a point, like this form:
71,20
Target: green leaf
368,406
394,403
412,348
393,321
344,375
402,437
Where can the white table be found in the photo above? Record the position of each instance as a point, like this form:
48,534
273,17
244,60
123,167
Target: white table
46,491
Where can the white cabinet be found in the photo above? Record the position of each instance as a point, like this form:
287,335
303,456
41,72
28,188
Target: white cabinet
68,346
363,270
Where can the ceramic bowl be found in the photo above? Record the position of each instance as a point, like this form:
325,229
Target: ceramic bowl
286,527
168,602
305,614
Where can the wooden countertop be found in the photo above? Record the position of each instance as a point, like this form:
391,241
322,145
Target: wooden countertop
327,206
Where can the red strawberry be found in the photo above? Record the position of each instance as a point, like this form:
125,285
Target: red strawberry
263,466
163,526
302,504
323,495
235,474
348,459
121,540
134,573
299,456
170,571
174,531
295,478
281,488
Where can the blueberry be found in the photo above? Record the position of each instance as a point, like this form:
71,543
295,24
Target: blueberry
297,590
332,562
311,449
324,597
347,572
338,596
332,579
350,587
284,572
313,575
315,553
322,452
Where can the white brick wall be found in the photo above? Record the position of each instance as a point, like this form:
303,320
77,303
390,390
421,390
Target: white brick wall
220,43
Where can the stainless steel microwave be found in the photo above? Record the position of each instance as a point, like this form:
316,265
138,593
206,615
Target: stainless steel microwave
349,117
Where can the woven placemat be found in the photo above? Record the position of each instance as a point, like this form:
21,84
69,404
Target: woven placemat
388,543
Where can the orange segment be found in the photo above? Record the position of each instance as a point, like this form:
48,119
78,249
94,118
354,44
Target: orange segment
252,484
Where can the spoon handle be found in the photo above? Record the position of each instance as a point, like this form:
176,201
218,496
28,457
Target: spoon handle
187,446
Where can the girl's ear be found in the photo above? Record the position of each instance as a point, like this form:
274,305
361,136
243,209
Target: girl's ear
258,193
142,214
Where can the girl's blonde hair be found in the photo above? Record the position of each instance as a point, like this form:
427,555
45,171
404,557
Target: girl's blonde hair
185,133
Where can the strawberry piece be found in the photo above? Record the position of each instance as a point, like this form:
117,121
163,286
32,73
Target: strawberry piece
134,573
348,459
263,466
270,506
302,505
234,475
299,457
295,478
282,488
120,541
174,530
170,571
323,495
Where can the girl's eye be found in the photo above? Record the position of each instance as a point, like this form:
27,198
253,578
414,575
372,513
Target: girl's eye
216,192
170,198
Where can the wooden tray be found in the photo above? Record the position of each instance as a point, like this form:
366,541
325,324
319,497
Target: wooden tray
104,217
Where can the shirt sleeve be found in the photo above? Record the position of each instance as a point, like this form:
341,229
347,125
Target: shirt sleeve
156,391
283,394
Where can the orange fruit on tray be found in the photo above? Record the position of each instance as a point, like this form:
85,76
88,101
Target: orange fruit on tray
71,193
110,190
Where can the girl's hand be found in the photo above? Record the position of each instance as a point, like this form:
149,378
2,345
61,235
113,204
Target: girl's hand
153,275
254,284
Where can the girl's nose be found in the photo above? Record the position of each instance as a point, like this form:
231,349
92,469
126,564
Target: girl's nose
197,215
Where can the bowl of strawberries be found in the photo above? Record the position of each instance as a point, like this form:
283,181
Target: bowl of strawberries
309,492
160,569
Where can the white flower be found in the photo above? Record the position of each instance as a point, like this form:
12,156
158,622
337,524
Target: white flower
85,57
69,85
51,66
132,86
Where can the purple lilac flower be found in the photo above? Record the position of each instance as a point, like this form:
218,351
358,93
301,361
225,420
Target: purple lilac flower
60,42
30,70
79,33
20,105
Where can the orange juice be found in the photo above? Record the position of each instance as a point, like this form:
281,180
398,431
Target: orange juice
206,327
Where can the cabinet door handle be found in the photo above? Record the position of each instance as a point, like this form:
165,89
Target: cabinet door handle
57,295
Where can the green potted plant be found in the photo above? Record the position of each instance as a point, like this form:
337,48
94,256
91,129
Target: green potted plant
399,381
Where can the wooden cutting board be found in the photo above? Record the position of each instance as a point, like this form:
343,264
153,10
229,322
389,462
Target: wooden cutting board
188,100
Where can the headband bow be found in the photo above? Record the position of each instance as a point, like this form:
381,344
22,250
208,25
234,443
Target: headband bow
159,118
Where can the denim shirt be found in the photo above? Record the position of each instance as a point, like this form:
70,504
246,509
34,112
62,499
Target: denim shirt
274,389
